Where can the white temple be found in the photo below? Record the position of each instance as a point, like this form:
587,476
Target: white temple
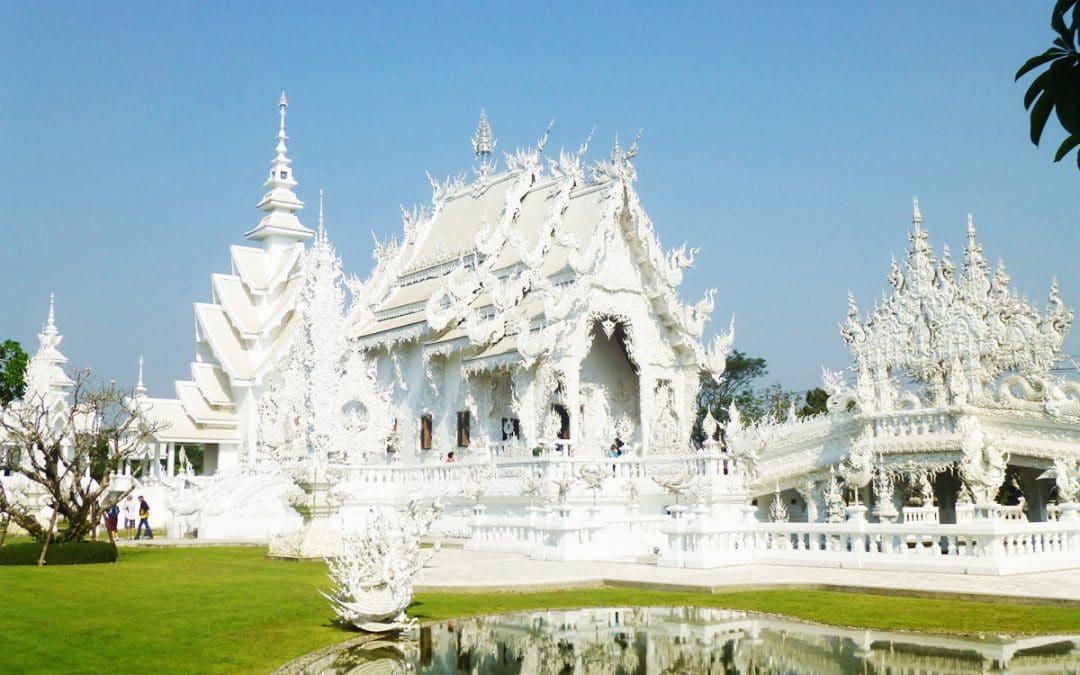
528,316
521,352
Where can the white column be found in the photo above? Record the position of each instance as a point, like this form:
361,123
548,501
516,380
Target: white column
170,460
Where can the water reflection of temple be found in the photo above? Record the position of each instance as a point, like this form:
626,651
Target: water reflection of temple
639,641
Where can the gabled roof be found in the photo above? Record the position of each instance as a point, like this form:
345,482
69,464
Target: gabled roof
180,428
485,250
213,383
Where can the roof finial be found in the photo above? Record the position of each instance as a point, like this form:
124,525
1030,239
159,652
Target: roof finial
916,218
971,229
283,103
50,327
280,202
483,144
140,389
322,219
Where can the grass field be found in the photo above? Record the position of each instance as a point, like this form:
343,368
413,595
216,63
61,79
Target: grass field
230,610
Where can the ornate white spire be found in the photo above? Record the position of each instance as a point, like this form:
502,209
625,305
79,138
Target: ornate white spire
44,373
50,326
916,217
280,224
322,220
140,388
484,147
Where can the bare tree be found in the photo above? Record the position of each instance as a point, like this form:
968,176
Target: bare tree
61,455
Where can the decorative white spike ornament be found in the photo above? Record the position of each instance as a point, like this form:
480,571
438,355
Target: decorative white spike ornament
280,224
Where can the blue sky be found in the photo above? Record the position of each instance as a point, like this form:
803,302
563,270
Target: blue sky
785,139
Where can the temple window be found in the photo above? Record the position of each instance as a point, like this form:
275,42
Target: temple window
425,432
284,175
463,429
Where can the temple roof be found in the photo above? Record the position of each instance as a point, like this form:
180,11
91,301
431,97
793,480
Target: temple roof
179,427
246,327
511,251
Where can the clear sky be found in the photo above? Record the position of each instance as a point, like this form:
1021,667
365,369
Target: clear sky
786,139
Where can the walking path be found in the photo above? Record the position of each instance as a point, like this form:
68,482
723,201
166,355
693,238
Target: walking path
454,569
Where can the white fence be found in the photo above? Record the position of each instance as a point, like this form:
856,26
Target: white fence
548,534
381,481
990,545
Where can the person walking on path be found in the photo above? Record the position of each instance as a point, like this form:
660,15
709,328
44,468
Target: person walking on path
130,513
112,515
144,519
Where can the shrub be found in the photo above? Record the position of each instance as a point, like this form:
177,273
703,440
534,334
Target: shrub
68,553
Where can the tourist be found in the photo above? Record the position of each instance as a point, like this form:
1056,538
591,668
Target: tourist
112,515
129,516
144,519
450,457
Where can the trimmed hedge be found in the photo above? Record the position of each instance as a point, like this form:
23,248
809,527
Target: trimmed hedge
70,553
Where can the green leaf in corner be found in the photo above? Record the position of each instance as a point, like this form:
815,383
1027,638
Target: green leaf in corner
1066,146
1036,61
1039,114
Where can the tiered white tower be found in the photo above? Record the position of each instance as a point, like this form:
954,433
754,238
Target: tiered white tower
46,381
242,332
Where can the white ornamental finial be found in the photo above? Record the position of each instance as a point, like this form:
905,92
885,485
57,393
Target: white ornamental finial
280,224
916,218
971,229
322,219
50,326
483,144
140,388
283,103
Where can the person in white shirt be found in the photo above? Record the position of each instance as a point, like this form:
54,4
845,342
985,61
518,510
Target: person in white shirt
131,512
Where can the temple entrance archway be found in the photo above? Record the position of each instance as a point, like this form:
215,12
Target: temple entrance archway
609,391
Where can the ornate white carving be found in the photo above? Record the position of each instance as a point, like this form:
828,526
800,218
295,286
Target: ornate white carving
373,578
778,512
953,334
1066,475
834,499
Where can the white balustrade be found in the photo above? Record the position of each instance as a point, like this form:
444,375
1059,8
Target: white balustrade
966,513
915,423
717,466
921,514
986,546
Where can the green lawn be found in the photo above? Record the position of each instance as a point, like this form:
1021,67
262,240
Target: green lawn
230,610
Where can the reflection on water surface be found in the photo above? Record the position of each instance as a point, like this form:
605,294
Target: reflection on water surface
633,641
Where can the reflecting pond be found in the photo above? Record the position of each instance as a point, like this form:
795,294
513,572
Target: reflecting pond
631,641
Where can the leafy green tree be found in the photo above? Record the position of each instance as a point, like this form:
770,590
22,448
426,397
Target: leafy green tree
815,402
13,362
1057,88
737,385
